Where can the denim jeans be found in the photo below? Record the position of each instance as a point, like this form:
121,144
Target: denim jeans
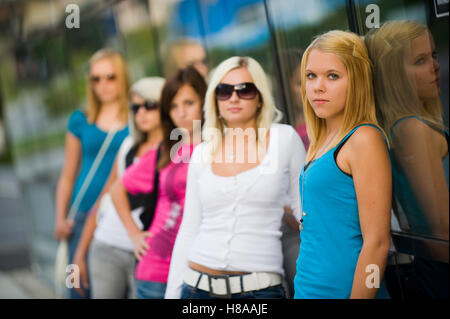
274,292
290,242
72,242
111,271
150,289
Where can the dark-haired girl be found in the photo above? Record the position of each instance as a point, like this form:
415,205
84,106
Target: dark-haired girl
181,112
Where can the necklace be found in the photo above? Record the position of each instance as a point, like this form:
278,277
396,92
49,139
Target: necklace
304,177
325,146
303,213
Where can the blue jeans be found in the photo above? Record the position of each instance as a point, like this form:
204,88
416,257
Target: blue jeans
274,292
72,242
150,289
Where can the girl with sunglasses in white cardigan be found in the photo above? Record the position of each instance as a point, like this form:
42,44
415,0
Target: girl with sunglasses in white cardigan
239,181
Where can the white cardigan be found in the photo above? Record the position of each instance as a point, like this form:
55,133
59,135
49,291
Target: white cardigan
233,223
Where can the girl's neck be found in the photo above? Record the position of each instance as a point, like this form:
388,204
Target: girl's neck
333,125
109,106
332,128
154,136
111,110
193,138
234,129
196,139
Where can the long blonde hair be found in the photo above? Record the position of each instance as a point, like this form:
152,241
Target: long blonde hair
359,105
268,114
396,92
93,104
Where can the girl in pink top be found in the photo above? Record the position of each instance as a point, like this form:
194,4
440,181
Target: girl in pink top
181,113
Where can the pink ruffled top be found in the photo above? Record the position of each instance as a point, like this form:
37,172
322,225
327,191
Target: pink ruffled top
154,266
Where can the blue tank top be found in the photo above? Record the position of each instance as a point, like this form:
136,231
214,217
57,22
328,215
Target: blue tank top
91,139
331,239
402,188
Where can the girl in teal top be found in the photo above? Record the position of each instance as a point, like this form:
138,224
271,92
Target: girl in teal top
332,228
91,138
106,109
345,185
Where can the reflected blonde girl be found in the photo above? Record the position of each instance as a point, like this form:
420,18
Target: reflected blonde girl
406,80
397,94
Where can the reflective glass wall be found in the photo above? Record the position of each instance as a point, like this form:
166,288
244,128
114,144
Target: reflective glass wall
43,73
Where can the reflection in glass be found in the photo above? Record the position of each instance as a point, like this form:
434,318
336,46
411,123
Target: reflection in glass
407,92
406,83
182,53
294,30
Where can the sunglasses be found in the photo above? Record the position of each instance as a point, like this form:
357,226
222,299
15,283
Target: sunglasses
245,91
149,106
108,77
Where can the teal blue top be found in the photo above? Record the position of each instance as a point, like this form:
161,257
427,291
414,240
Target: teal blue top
402,188
91,138
331,238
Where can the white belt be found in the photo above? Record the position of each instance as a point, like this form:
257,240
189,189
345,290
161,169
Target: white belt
226,285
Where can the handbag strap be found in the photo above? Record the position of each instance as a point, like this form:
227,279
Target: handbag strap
100,155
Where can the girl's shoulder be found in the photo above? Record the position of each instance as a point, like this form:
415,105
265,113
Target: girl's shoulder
285,128
411,124
286,134
126,145
366,136
78,115
416,132
77,121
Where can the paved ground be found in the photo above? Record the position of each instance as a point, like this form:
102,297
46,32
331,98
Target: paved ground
14,237
23,284
17,280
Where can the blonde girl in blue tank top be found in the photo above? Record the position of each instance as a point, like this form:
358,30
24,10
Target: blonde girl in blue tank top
345,185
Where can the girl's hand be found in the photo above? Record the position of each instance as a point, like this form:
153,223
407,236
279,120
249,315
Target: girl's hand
63,229
140,244
81,262
289,218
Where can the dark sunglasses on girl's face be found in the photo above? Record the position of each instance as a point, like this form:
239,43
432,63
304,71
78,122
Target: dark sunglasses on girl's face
98,78
149,106
246,91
